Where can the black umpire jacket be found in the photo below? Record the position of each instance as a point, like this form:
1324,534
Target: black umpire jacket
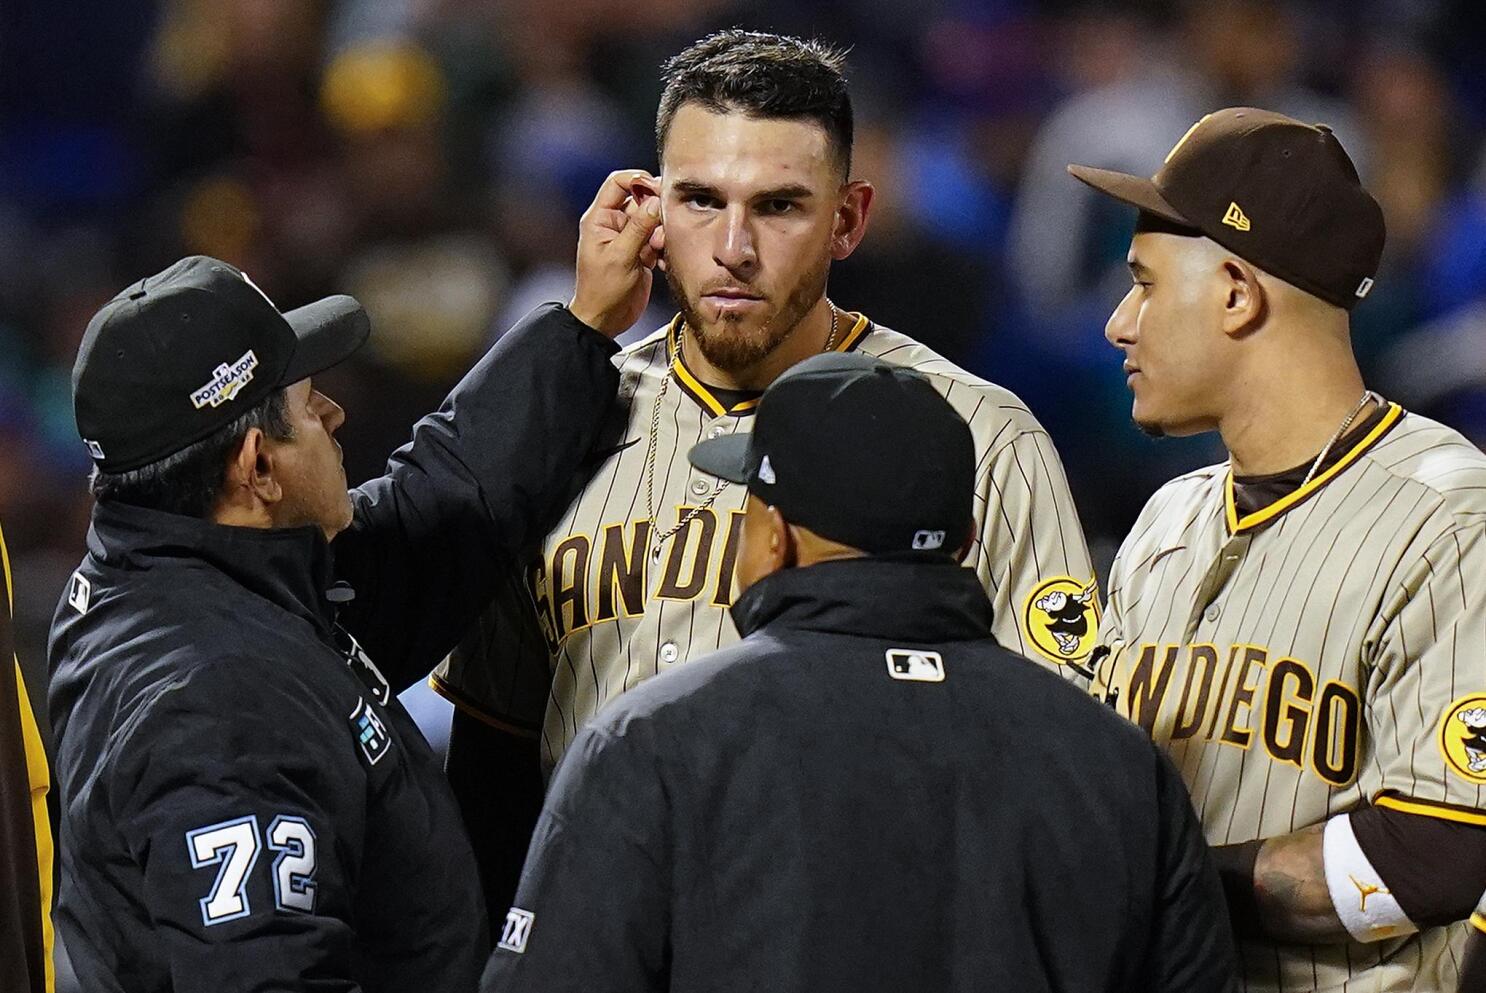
247,806
867,793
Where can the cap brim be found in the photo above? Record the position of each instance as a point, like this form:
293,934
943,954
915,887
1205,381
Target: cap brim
725,458
329,332
1137,191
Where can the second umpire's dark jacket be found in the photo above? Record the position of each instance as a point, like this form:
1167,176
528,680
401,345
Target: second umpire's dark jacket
247,805
813,809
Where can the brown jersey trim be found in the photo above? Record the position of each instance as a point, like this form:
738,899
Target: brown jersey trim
1435,868
698,391
1238,525
1431,808
469,707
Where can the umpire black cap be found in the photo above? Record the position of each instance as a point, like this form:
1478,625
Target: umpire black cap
184,353
859,451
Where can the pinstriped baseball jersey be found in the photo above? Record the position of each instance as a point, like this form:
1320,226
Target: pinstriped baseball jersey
596,612
1315,655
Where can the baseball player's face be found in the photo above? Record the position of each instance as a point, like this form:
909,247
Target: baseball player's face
308,467
1169,329
754,212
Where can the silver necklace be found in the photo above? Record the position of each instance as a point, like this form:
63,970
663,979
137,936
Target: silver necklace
1366,396
659,540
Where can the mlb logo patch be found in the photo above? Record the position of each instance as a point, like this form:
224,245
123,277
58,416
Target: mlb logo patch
79,593
915,666
924,541
516,930
370,732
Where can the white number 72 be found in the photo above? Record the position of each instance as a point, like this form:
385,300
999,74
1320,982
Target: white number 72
234,845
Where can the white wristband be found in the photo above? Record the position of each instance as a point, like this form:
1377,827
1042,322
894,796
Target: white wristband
1361,898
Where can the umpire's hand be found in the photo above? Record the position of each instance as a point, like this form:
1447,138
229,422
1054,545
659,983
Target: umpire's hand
620,239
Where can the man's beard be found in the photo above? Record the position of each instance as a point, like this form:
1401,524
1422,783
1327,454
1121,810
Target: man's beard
731,346
1150,429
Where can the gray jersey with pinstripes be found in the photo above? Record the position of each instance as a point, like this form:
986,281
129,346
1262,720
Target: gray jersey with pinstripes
593,614
1316,655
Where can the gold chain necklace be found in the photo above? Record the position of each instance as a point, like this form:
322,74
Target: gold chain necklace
1366,396
659,540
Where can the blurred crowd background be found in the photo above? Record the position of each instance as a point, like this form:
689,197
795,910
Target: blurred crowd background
431,157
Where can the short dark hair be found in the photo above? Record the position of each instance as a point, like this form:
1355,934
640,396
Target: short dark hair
190,481
762,75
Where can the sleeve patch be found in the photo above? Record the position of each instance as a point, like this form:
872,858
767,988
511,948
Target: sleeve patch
516,930
1060,618
1462,738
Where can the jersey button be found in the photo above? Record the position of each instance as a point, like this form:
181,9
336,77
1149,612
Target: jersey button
718,431
1212,612
669,652
700,487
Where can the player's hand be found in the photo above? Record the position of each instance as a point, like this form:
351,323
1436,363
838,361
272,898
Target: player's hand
620,239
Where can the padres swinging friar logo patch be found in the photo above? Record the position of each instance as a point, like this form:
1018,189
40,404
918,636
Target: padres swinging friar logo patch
1061,618
1463,737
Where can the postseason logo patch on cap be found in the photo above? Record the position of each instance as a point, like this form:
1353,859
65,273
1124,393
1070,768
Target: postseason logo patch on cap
227,379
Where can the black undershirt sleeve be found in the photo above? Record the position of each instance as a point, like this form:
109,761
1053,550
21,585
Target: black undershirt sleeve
1435,869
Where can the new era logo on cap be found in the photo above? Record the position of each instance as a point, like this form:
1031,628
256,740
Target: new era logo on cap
1364,288
1236,219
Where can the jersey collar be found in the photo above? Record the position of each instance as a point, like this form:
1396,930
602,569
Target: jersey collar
698,391
1238,525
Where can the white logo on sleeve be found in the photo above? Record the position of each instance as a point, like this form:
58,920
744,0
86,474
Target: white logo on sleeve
227,379
516,930
915,666
79,593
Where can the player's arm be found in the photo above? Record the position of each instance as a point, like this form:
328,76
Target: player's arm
1417,856
1191,947
225,791
1031,545
482,476
593,909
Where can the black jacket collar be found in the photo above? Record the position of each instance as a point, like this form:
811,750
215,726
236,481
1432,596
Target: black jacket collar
899,598
289,567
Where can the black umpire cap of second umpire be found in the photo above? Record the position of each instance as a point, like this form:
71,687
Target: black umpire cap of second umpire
885,464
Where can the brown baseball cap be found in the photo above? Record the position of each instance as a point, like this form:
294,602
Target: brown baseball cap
1277,193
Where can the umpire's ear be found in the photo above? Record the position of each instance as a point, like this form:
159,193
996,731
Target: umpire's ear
965,548
767,546
249,484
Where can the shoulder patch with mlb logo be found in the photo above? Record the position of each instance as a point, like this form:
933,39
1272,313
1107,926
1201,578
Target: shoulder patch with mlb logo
915,666
370,732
